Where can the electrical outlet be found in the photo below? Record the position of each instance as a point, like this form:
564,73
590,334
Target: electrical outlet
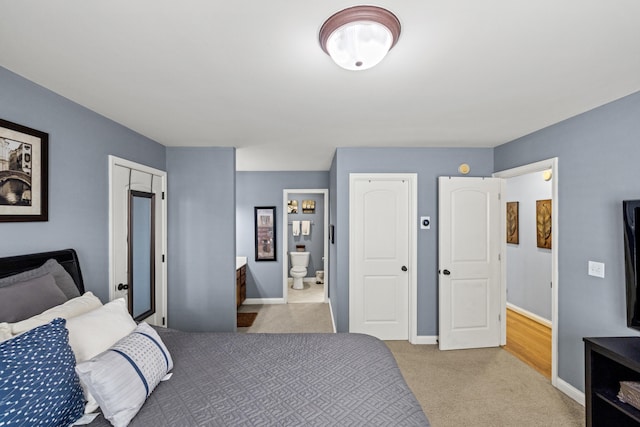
596,269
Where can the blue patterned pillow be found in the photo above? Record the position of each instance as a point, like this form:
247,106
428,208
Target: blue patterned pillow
38,383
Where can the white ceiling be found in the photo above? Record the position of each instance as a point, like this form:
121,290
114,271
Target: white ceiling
251,74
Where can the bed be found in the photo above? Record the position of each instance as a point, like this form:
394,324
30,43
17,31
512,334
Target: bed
263,379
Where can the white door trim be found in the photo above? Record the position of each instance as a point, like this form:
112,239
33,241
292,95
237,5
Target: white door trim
285,238
522,170
412,178
117,161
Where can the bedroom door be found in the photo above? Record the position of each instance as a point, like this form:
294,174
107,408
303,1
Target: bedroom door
138,239
470,231
380,256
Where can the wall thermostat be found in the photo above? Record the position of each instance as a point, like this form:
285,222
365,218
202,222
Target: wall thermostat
425,222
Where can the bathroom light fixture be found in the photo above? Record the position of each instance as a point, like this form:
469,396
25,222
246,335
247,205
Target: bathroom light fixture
359,37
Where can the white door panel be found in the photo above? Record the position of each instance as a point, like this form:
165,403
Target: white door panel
467,310
379,285
126,176
469,280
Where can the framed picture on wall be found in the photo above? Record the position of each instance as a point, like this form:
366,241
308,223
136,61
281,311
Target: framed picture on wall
308,206
512,223
265,232
543,223
24,160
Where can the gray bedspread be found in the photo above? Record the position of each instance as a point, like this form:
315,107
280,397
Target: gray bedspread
223,379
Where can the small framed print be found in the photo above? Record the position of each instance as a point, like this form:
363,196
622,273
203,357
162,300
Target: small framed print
308,206
24,158
292,206
512,223
543,223
265,228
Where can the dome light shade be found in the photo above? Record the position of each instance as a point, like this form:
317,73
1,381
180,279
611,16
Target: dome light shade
359,37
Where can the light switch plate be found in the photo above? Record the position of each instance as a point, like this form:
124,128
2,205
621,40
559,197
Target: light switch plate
596,269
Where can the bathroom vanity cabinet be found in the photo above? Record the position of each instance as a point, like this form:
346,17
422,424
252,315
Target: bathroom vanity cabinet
241,285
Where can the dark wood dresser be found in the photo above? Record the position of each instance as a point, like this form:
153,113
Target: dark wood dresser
607,362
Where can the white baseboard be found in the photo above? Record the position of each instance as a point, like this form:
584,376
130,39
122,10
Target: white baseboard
426,340
570,391
533,316
333,321
263,301
304,280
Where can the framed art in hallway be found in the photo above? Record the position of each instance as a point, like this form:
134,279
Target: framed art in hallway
543,223
265,233
512,223
23,173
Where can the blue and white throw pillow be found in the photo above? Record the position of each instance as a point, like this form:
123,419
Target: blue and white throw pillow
121,378
38,383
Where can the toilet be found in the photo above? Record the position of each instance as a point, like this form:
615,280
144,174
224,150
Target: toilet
299,263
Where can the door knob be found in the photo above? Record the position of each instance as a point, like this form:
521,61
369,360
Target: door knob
404,268
123,286
446,272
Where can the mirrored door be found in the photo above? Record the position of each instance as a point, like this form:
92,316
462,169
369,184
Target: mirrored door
141,283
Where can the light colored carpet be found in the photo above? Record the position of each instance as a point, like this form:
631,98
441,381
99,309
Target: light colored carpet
481,387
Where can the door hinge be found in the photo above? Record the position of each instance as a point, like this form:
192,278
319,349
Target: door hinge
499,196
499,318
162,321
163,195
499,257
551,284
162,257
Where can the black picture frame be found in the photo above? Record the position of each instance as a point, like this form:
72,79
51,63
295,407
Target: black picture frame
24,173
265,233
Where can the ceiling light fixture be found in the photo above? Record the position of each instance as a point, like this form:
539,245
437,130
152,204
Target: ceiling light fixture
359,37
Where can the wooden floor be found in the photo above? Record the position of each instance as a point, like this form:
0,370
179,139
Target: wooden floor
530,341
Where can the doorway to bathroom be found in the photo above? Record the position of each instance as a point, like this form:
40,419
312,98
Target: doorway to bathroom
305,233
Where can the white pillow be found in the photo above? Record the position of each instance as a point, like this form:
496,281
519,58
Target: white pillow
93,332
123,377
73,307
5,331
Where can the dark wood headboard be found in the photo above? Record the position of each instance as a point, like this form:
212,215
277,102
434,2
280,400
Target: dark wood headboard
66,257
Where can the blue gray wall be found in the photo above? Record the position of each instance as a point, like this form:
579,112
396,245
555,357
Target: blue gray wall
314,242
598,168
202,236
264,278
79,144
528,266
429,164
